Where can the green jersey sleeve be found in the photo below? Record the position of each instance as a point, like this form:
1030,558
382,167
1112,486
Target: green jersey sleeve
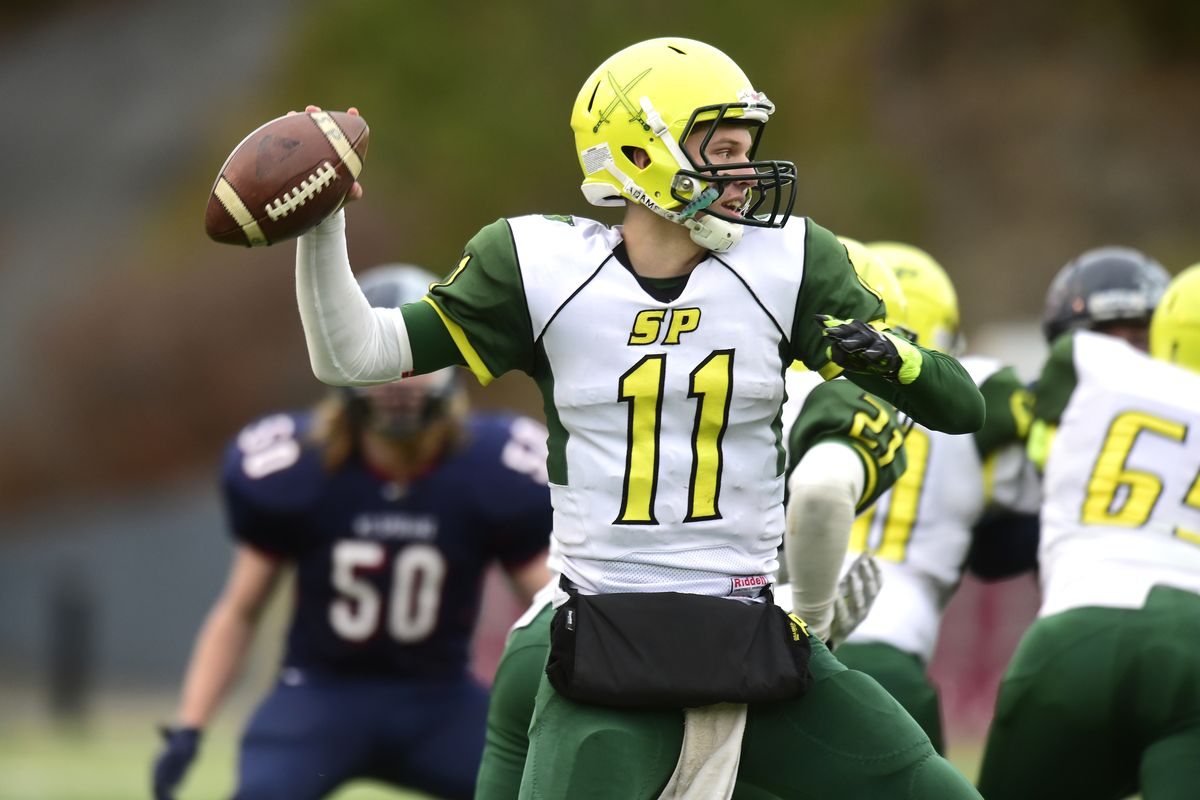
482,305
942,398
839,411
1057,381
830,286
1009,407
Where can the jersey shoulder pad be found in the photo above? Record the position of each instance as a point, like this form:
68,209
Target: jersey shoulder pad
555,258
271,465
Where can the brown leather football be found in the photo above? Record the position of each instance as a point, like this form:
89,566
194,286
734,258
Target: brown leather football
286,177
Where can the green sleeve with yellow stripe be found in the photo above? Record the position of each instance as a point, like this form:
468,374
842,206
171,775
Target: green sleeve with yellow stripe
482,306
1057,381
1052,392
1009,406
839,411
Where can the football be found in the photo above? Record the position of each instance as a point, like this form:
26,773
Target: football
285,177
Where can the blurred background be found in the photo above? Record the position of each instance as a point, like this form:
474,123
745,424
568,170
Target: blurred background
1003,138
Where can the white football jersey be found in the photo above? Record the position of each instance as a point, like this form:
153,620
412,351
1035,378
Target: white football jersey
1122,481
920,530
666,455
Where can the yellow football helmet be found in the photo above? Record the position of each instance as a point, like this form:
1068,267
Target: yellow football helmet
932,301
650,96
878,276
1175,326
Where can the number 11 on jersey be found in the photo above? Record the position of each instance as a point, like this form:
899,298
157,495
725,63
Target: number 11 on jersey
642,387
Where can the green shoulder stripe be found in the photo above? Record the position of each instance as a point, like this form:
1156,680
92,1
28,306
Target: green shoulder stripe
1057,381
1009,412
830,286
482,304
839,411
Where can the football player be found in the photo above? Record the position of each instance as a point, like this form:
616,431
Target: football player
851,445
1102,697
389,502
921,531
660,347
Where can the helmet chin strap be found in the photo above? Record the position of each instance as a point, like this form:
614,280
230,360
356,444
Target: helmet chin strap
711,233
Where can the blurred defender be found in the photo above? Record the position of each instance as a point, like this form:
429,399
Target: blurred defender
1102,698
390,502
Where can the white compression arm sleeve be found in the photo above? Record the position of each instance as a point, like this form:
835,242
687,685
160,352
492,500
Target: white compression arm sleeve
349,343
823,491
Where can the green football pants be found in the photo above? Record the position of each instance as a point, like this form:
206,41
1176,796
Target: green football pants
1101,703
903,676
847,738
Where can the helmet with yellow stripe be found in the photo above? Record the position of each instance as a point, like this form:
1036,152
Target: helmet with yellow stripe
1175,326
932,301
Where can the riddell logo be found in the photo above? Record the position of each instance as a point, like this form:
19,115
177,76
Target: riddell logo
749,582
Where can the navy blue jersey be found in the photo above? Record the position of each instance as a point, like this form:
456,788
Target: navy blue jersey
388,578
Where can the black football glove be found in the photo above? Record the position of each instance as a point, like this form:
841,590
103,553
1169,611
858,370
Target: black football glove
179,749
857,347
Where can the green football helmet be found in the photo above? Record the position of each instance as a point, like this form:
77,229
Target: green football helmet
932,301
878,276
651,96
1175,326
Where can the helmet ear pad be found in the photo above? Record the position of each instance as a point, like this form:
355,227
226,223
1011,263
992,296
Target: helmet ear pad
405,408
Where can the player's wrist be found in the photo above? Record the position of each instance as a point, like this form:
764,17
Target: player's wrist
911,358
182,730
333,225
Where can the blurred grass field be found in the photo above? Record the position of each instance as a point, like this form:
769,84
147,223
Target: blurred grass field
109,758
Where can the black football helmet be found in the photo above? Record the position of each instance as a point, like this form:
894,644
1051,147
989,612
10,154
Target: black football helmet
1108,284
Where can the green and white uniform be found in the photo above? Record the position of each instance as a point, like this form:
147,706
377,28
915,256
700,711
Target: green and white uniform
666,459
920,532
840,411
1102,698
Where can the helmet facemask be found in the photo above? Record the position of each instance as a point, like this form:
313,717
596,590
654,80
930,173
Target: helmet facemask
772,184
406,408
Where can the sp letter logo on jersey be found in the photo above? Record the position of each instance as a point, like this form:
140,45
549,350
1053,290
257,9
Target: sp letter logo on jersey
648,325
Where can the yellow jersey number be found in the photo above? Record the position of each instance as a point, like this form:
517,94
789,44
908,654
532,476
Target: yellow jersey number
903,500
710,384
1139,489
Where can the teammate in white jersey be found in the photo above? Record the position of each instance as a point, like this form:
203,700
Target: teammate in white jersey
922,529
659,347
1102,698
